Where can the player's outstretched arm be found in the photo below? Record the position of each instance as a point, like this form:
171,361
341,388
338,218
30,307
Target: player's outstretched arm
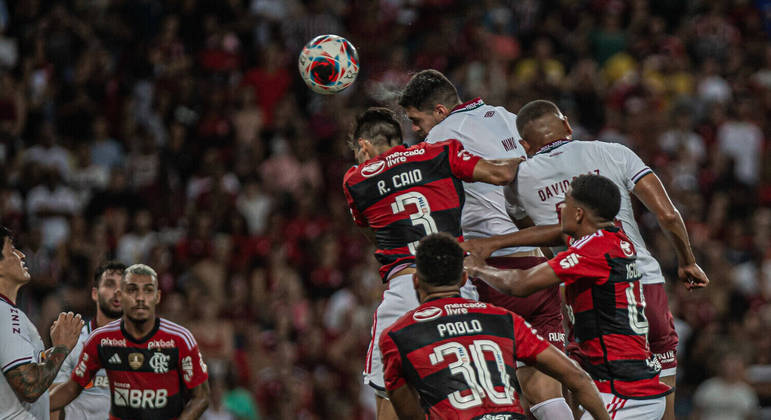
498,172
406,403
651,192
512,282
198,402
546,235
63,394
31,380
557,365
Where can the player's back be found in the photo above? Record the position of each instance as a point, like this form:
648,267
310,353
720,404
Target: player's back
460,357
605,303
408,193
543,179
491,133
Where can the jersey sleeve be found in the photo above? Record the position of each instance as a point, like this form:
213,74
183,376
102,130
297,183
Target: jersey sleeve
571,266
88,363
631,167
15,348
528,343
358,218
392,362
462,162
193,369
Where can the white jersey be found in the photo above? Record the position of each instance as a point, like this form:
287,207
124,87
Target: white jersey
543,179
490,132
20,344
94,401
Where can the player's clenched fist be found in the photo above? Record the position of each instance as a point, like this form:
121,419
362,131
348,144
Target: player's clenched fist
66,329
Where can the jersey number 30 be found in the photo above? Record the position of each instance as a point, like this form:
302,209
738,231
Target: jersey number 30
471,364
421,217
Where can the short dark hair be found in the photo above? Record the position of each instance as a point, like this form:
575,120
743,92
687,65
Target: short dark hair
4,233
534,110
378,125
105,267
598,193
428,88
439,260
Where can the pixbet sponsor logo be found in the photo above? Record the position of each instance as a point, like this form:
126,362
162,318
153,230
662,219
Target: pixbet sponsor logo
113,342
161,344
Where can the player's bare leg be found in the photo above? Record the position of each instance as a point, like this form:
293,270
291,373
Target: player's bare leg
542,395
669,412
385,410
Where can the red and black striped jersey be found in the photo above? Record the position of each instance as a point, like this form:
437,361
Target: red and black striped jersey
606,307
460,356
408,193
147,375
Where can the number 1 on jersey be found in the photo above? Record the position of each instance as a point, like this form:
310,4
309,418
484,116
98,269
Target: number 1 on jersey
421,217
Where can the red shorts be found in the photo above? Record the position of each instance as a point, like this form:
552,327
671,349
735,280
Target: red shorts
541,309
661,327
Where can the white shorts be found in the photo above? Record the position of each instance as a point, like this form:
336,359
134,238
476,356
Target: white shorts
398,299
622,409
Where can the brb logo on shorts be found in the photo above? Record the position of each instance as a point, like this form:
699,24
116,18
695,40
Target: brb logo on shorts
160,363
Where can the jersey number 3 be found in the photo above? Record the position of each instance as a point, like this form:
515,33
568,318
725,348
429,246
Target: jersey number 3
472,366
421,217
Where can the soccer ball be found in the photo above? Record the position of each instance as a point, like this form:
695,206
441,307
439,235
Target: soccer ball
328,64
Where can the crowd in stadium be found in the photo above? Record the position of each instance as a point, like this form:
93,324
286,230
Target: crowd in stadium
178,134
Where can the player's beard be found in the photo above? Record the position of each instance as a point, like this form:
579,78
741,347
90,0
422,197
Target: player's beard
104,307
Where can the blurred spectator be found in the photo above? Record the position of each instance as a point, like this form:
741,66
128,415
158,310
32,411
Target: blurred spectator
726,396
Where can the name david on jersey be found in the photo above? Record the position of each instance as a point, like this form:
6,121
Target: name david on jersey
559,188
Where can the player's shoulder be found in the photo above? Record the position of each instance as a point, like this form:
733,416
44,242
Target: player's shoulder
603,242
109,331
175,330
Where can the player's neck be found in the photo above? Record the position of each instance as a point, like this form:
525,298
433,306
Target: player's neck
102,319
440,295
9,290
138,330
589,229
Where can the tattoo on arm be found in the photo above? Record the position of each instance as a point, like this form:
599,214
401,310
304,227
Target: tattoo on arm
30,381
197,404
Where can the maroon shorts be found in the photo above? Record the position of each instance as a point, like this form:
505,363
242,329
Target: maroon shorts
661,327
541,309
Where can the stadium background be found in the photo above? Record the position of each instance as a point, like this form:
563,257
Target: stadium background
178,133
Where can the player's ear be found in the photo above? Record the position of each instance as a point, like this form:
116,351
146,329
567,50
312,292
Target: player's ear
415,280
525,145
94,294
568,128
158,296
441,111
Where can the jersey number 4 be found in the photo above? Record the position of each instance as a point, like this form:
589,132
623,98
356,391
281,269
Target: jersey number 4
422,217
472,366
